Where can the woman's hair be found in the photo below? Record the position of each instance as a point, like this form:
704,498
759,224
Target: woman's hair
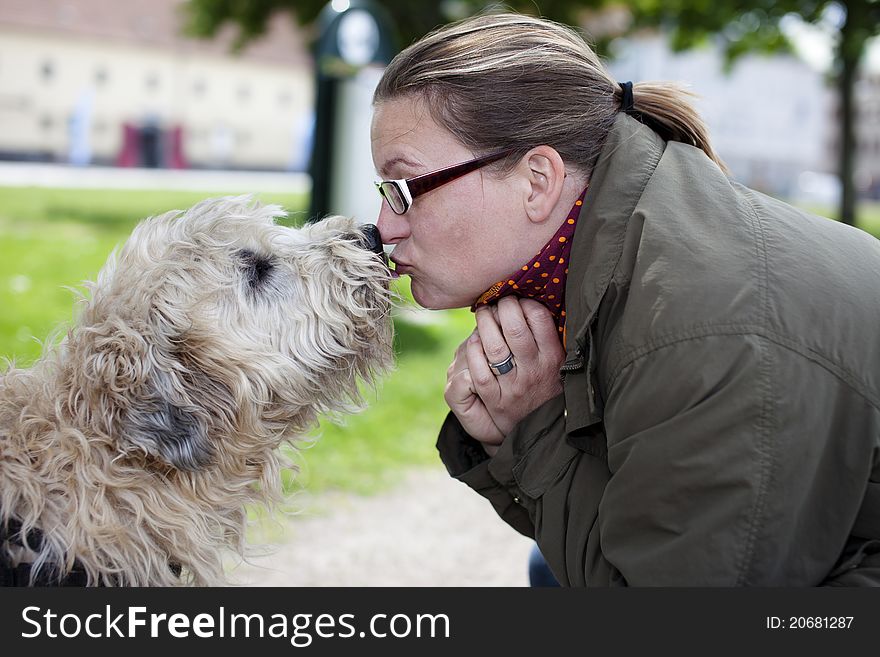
501,81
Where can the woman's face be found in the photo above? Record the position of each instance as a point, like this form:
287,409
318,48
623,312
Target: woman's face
457,240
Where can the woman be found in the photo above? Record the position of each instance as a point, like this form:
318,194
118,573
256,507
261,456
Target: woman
673,380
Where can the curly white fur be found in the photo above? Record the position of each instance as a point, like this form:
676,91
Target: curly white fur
213,336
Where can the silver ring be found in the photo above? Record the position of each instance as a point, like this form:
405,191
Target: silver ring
504,366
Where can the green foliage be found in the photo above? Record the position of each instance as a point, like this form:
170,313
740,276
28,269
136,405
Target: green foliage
742,26
412,20
206,17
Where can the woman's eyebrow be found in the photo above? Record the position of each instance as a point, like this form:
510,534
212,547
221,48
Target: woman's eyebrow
384,170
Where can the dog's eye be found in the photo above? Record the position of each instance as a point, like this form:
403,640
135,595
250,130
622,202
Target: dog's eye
256,267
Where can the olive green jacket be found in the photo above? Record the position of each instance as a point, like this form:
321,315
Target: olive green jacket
720,421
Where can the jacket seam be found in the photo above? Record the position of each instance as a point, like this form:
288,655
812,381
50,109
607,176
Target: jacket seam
714,330
767,458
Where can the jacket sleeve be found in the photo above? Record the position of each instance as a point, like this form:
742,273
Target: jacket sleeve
735,460
466,460
494,478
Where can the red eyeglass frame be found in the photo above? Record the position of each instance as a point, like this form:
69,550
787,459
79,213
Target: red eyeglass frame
402,192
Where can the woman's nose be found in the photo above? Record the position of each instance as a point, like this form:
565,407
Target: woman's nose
393,227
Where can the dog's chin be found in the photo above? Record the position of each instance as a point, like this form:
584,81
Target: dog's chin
379,275
374,352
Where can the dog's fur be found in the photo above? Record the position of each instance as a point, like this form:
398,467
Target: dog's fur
213,336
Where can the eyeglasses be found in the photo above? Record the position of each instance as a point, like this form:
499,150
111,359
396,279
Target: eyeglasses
400,193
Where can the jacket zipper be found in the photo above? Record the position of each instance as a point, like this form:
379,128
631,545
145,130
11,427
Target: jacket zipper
572,365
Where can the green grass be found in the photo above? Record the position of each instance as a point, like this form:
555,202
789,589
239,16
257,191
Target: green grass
52,238
867,215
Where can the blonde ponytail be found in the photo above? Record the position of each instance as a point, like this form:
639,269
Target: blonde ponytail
666,109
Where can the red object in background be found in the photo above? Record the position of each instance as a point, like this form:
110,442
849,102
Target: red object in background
176,158
165,150
129,154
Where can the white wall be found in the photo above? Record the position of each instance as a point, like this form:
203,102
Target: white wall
259,108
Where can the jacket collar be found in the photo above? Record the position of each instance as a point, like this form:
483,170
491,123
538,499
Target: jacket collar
622,171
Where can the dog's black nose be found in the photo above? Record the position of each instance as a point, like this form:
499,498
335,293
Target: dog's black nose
372,240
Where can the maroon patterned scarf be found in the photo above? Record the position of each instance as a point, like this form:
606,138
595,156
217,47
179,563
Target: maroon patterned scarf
543,278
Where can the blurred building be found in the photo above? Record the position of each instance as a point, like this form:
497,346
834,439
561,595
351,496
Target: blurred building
115,82
867,103
774,120
770,119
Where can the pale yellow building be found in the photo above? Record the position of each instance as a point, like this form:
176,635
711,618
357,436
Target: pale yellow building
74,73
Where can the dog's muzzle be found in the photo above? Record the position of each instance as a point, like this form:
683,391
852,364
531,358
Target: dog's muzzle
372,241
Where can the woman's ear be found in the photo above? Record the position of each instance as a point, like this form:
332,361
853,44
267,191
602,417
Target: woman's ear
545,171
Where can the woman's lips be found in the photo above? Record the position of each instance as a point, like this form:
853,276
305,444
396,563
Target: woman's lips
399,269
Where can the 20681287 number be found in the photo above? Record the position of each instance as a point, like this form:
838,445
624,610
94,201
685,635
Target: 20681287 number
809,622
820,622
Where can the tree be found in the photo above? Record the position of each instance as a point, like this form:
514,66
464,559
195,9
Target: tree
414,19
742,26
251,17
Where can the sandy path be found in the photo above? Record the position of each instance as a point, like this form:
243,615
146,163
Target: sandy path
430,530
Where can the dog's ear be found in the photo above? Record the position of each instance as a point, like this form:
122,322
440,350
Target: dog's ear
184,410
145,394
175,433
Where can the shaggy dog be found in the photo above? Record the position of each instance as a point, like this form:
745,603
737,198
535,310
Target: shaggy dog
130,451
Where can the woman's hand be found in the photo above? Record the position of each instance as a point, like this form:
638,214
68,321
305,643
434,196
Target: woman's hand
462,398
490,406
